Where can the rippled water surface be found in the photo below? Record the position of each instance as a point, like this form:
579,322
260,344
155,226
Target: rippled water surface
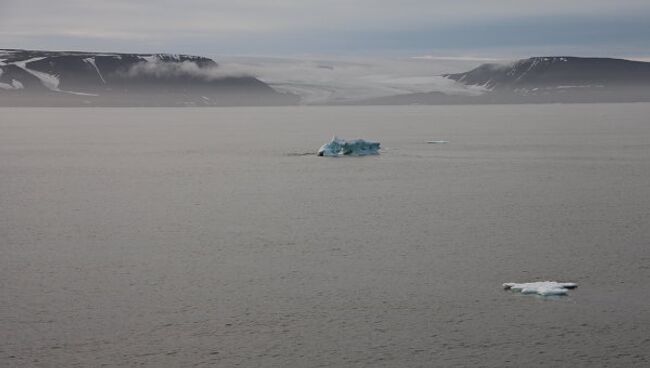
211,237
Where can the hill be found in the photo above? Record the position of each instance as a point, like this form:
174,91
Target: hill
53,78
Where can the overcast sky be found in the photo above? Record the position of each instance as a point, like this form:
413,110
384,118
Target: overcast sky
497,28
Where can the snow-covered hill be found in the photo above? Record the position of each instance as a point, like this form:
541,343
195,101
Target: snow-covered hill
558,72
34,78
559,79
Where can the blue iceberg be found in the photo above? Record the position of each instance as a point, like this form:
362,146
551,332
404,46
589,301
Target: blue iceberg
341,147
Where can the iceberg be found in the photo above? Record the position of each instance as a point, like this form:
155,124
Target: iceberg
543,288
357,147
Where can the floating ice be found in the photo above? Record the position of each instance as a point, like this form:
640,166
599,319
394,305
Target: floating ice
356,147
544,288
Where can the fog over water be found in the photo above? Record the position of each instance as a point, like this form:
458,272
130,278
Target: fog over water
213,237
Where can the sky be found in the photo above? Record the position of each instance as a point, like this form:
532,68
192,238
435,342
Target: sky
413,28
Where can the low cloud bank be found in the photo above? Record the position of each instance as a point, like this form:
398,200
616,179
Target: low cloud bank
166,69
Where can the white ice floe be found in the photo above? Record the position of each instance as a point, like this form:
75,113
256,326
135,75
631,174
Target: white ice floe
543,288
356,147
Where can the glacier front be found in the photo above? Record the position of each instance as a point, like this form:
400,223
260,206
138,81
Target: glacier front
357,147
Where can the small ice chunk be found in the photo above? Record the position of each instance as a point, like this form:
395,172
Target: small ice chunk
543,288
437,142
356,147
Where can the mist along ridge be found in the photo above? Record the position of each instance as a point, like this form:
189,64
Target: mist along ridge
53,78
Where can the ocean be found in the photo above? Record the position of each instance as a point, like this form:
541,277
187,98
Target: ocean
164,237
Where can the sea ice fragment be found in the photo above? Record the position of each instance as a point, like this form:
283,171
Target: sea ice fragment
357,147
543,288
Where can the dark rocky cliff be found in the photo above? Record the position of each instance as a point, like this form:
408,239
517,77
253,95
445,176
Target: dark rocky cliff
47,78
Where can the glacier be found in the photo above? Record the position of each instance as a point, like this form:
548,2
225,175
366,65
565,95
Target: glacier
543,288
356,147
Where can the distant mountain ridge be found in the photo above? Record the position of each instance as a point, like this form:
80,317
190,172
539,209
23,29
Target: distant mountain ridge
54,78
557,71
554,79
72,78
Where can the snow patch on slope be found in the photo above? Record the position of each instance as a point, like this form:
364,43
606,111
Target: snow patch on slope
50,81
13,86
91,61
150,58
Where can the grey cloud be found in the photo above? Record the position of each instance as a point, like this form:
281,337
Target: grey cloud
171,24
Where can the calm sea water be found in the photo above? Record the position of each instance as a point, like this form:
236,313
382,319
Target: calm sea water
212,237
